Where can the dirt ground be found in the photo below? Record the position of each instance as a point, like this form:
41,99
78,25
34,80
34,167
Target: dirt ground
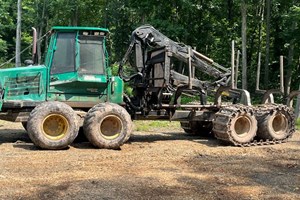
163,164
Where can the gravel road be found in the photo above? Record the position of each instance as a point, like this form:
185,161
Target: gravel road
162,164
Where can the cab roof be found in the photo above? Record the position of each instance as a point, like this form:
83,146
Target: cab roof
79,28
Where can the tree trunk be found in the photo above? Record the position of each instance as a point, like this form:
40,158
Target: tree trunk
18,35
244,44
266,82
40,32
289,70
261,13
47,36
288,78
297,109
74,19
255,32
230,5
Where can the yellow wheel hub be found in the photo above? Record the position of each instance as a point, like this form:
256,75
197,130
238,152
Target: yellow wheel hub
111,127
55,126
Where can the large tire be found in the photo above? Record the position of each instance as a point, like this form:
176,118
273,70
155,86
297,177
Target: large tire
52,125
276,124
188,128
235,124
107,125
197,128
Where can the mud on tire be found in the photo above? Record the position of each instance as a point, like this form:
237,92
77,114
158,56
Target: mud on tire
52,125
235,124
107,125
276,123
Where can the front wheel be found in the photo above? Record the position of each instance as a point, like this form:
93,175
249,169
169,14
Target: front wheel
107,125
52,125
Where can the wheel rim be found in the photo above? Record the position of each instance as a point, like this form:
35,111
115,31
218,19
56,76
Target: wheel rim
279,124
55,126
111,127
242,126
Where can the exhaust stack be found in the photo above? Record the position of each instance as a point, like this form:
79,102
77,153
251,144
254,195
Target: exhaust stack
34,46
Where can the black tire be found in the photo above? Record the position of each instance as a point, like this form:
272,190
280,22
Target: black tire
81,136
107,125
188,128
24,124
197,128
205,128
276,124
235,124
52,125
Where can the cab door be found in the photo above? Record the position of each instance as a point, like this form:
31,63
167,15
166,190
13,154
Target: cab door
77,72
63,68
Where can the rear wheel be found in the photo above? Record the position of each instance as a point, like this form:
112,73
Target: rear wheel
107,125
235,124
275,124
52,125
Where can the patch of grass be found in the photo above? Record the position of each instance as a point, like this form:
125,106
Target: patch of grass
298,124
150,125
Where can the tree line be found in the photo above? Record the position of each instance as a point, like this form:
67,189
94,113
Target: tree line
271,27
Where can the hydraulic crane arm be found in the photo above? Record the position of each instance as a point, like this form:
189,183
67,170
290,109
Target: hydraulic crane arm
164,69
146,38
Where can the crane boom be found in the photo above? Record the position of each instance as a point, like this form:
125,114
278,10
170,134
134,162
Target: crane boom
165,68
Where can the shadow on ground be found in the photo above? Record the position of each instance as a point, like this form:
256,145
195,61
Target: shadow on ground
209,177
13,136
21,139
173,136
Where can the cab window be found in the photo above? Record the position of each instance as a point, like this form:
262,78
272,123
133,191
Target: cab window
92,57
64,54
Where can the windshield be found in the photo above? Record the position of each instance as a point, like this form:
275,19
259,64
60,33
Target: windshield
92,57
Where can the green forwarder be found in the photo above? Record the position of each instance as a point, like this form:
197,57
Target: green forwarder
51,100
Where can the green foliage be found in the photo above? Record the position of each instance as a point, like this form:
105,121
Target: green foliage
298,124
127,71
207,25
189,99
3,47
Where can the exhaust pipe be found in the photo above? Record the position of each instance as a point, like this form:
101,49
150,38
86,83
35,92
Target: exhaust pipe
34,46
281,76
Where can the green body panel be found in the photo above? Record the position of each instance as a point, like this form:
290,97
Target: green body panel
24,83
118,89
85,88
39,83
